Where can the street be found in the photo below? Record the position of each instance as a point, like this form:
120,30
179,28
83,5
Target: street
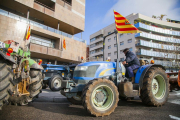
52,105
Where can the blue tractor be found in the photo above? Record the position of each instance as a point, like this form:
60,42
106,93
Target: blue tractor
99,85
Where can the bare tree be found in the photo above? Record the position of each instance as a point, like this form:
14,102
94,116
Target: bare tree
154,16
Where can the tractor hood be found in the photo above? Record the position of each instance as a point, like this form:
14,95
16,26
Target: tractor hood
90,70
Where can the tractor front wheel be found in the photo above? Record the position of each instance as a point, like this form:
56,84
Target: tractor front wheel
100,97
155,90
55,83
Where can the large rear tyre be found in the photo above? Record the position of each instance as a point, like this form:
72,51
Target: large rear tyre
55,83
6,82
75,100
34,89
155,90
100,97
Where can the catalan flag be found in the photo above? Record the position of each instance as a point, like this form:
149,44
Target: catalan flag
28,33
123,25
64,44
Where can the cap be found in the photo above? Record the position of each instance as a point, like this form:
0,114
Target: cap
126,49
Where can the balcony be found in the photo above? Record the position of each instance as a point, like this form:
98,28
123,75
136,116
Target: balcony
167,63
142,43
96,47
143,52
65,3
24,20
157,37
44,50
156,29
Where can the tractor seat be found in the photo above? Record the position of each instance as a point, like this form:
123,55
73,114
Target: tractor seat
135,71
142,62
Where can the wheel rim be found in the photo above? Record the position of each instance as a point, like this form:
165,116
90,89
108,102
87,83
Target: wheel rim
158,87
102,97
57,83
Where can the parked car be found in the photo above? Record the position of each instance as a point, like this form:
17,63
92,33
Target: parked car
54,74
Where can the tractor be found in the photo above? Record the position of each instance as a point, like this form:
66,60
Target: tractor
99,85
20,76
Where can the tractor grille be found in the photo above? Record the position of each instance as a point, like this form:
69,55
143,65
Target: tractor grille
90,72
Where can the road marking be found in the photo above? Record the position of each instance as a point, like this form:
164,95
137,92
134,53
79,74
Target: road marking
174,117
177,101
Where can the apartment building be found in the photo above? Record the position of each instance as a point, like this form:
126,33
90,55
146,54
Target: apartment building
159,41
51,22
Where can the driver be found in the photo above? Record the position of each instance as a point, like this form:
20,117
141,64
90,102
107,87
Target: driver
131,63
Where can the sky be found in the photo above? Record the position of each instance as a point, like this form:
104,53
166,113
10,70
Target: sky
99,13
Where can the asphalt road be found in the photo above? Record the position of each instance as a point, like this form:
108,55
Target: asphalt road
53,106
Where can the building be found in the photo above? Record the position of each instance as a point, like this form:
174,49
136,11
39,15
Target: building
51,22
159,41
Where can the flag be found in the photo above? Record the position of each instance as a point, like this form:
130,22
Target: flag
123,25
64,44
28,33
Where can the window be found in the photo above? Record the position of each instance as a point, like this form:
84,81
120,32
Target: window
130,49
121,35
109,47
115,53
122,43
115,38
130,41
109,33
109,40
109,54
121,51
115,45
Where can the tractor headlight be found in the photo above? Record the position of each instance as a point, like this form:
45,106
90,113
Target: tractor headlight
81,67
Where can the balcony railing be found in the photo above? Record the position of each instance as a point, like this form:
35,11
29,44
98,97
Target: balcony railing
44,5
158,37
157,45
167,63
24,20
157,29
157,54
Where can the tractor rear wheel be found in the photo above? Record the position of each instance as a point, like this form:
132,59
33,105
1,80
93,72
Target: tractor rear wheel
34,89
100,97
155,90
6,82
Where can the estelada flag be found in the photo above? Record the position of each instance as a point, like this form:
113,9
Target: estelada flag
123,25
64,44
28,33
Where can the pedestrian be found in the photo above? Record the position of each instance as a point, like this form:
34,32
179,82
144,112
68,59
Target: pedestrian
131,63
108,59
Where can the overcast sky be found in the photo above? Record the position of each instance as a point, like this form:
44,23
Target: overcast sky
99,13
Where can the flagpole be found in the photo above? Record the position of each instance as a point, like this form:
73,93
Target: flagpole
117,61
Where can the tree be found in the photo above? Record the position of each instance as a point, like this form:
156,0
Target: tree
154,16
161,17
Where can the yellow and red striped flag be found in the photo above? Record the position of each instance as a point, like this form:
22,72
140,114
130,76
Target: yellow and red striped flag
64,44
123,25
28,33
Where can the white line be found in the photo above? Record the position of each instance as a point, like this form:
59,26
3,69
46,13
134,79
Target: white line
80,2
174,117
78,13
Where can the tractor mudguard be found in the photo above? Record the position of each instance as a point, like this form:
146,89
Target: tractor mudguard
33,64
8,58
142,71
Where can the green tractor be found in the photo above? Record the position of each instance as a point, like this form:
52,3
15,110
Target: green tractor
20,76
